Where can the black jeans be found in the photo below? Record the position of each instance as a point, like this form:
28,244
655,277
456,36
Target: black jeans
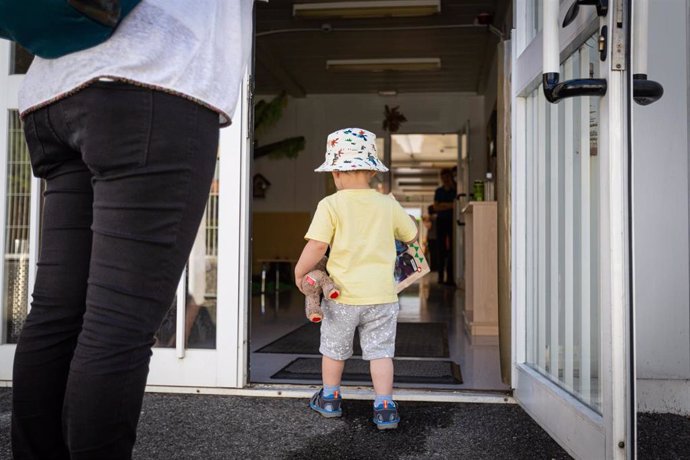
444,233
127,173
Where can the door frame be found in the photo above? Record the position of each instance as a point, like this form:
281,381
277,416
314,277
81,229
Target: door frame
9,100
579,429
463,196
226,365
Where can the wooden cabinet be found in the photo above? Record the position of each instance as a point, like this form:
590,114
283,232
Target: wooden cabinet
481,268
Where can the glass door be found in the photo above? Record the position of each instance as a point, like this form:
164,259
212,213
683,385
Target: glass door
19,207
202,340
572,358
463,198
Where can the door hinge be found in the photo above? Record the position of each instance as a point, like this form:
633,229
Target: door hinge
618,37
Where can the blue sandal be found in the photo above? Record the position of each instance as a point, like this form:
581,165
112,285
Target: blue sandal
327,406
386,416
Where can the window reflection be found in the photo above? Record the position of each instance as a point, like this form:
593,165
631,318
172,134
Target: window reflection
200,285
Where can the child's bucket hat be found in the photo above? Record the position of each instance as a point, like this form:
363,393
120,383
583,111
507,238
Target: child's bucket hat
351,149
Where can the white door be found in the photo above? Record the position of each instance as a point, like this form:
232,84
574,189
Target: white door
19,208
463,187
572,328
204,337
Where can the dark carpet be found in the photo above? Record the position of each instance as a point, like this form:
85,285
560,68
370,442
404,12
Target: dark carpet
420,340
357,371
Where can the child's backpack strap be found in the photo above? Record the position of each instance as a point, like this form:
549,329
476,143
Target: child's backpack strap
53,28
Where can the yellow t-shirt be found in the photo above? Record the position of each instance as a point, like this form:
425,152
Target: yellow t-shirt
361,226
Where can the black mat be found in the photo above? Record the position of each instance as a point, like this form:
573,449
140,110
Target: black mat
418,340
357,370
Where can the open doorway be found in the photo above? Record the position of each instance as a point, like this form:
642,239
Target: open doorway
315,75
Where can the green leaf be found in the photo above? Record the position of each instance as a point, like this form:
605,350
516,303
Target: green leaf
287,148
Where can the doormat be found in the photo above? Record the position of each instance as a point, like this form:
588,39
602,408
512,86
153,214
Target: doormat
413,340
357,371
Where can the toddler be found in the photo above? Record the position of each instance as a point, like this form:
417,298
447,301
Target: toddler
360,225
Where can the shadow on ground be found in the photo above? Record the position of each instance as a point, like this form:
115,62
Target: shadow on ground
229,427
232,427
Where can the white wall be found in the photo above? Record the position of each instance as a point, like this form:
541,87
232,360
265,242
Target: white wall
661,250
294,185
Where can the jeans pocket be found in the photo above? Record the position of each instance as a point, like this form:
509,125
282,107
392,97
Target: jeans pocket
35,145
117,128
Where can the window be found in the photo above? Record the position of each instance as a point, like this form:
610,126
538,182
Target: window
562,305
17,230
530,24
201,285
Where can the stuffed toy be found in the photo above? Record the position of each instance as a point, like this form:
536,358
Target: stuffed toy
313,284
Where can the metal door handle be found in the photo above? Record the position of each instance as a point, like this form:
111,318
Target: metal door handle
554,89
645,91
602,9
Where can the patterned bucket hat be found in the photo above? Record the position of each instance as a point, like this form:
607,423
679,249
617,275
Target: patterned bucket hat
351,149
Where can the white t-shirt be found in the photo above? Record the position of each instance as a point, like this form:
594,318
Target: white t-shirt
198,49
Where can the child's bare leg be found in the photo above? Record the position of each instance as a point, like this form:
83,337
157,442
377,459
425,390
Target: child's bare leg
385,410
382,375
332,371
328,399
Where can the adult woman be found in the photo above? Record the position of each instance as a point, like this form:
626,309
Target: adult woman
125,135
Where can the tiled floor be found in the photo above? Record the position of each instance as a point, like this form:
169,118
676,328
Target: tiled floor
276,314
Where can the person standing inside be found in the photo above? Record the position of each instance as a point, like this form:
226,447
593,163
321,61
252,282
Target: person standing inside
360,225
125,135
444,199
431,238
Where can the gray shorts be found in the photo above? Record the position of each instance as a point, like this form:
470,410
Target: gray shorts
377,325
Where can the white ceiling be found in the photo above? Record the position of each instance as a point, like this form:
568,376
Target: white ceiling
425,148
292,52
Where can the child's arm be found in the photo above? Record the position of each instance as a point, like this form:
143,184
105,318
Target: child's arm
402,225
416,237
312,253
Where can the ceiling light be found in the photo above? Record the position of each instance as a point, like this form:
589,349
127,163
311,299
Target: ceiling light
411,143
367,9
416,172
407,170
421,191
418,185
382,65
